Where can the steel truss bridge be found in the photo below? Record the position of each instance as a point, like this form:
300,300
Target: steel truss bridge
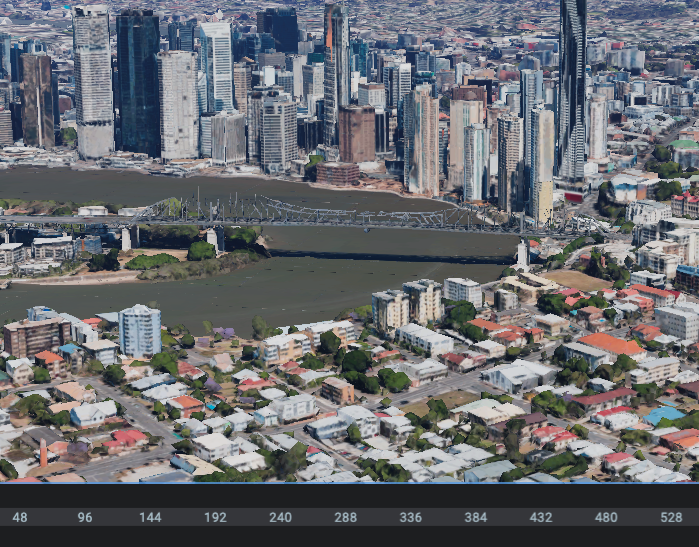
263,211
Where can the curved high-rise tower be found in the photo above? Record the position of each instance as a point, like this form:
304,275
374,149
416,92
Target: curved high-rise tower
337,68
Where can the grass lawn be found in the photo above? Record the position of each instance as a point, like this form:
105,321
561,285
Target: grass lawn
578,280
562,470
451,399
228,389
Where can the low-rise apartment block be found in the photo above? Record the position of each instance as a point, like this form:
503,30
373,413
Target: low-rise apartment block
344,330
294,408
645,211
20,371
390,309
648,279
213,447
53,363
551,324
614,346
285,347
591,404
506,300
426,339
593,356
653,371
519,376
338,390
427,371
425,299
680,323
659,297
459,289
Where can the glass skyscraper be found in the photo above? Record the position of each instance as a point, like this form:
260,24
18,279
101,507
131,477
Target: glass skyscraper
337,68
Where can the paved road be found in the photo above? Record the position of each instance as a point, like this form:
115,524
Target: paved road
106,470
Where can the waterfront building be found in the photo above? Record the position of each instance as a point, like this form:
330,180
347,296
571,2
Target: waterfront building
357,138
216,64
476,162
420,129
510,164
139,332
425,298
337,68
27,338
278,133
36,92
390,309
179,111
228,138
462,114
458,289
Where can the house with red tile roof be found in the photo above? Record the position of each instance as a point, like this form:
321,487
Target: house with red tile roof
389,354
660,297
130,437
624,293
537,334
614,463
562,440
186,405
509,339
53,363
592,404
571,292
188,371
614,346
600,416
93,322
544,434
646,333
486,326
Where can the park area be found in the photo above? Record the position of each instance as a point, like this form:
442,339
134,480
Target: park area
452,399
578,280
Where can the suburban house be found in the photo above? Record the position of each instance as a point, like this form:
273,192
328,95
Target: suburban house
266,416
186,405
53,363
487,416
213,447
222,362
491,350
188,371
591,404
509,339
165,391
20,370
92,415
456,413
533,421
245,463
614,346
489,472
551,324
519,376
73,391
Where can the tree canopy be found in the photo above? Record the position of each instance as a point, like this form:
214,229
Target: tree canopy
201,250
355,360
329,342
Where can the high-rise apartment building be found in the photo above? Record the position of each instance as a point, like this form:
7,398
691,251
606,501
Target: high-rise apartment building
138,43
461,115
6,137
390,309
27,338
598,127
179,111
5,61
282,24
36,92
337,68
205,133
531,93
571,92
228,138
242,77
397,82
313,76
94,112
216,63
181,35
420,131
425,298
295,64
256,99
357,133
279,133
543,147
476,162
139,332
285,80
510,163
459,289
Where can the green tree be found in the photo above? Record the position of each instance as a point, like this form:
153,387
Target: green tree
248,353
665,190
462,312
187,341
114,374
262,330
8,469
208,327
158,407
164,362
340,356
143,262
41,375
353,434
610,314
620,284
175,414
472,332
108,262
386,402
661,153
355,360
329,343
201,250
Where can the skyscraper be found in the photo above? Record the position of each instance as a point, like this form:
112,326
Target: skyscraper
282,24
279,133
420,128
462,114
476,161
357,138
256,99
37,100
598,127
228,138
571,102
138,43
181,35
94,112
510,163
543,147
337,68
242,75
313,75
5,63
216,64
531,93
396,81
179,111
295,64
139,332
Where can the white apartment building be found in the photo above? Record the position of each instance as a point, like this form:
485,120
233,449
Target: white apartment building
216,59
363,418
674,322
645,211
213,447
653,370
427,371
390,309
139,332
425,298
13,253
294,408
313,75
424,338
282,348
344,330
53,249
457,288
649,279
506,300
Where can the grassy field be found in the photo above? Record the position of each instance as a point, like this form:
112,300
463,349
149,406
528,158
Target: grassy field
451,399
578,280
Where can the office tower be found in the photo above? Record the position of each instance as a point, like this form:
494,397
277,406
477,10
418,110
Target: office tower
201,92
373,94
443,145
531,93
337,69
278,146
396,81
406,39
426,78
359,50
5,61
420,127
282,25
36,91
138,43
179,111
674,68
285,79
543,147
6,137
357,138
256,99
216,63
381,143
510,163
54,95
313,76
271,58
228,138
295,64
205,134
470,93
598,127
139,332
461,70
476,162
462,114
571,102
181,35
94,112
426,61
242,75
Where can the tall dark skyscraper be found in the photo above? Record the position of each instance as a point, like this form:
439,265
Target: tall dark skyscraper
138,43
571,92
281,23
36,92
181,35
337,68
5,65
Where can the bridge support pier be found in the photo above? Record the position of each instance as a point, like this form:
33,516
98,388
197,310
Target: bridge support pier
130,238
212,238
125,239
220,239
